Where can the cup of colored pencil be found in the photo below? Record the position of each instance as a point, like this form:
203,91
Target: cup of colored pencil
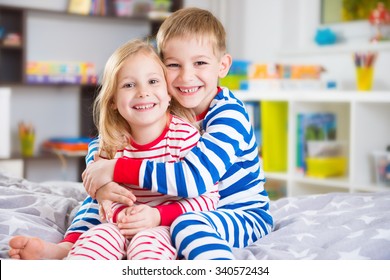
364,64
27,139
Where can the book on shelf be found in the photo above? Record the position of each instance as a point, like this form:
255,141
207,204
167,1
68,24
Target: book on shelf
67,145
274,123
275,188
312,126
82,7
253,109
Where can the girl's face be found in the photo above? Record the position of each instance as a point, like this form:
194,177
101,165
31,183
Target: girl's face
142,96
193,71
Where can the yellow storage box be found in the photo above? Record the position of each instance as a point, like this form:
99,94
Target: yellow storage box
326,166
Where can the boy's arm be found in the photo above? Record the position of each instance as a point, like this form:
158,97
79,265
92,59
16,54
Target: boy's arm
228,133
86,217
93,149
88,214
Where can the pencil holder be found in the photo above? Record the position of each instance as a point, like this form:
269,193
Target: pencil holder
364,78
364,65
27,145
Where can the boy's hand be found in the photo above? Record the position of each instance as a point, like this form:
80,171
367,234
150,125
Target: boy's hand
137,218
97,174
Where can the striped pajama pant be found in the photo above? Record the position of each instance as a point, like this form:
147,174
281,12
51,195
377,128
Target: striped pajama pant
105,242
212,235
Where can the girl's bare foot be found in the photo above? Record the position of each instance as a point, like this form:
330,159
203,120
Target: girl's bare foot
32,248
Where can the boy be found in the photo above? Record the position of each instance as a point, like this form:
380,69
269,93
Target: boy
192,45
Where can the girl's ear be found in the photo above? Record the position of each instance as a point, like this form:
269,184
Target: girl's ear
226,62
113,105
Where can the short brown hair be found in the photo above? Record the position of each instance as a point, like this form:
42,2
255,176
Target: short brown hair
192,22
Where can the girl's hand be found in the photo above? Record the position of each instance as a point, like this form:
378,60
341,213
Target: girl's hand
113,192
137,218
97,174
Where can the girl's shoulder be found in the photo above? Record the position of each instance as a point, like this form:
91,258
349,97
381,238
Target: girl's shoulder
177,123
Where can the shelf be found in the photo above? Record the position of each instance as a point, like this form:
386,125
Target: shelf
315,96
14,19
359,115
56,35
11,47
338,49
276,175
338,182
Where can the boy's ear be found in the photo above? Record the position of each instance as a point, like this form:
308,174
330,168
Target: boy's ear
226,62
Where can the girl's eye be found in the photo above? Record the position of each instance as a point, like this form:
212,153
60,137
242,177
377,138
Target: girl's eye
128,85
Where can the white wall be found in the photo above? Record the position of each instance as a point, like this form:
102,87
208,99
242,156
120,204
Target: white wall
283,31
54,110
257,30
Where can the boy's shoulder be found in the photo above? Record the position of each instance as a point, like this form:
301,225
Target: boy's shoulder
225,96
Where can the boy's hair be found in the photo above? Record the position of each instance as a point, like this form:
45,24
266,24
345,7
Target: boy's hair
192,22
114,130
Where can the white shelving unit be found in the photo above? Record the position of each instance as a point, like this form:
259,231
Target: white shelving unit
362,124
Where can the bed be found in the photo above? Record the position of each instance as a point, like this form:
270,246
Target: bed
327,226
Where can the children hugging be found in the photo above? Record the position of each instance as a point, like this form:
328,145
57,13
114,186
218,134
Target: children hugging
203,194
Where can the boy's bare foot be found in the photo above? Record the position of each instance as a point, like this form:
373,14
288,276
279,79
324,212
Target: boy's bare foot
32,248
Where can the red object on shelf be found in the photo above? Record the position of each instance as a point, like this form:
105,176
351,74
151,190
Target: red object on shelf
380,15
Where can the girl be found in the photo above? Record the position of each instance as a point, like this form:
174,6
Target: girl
132,116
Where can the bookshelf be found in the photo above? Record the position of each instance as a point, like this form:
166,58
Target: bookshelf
12,56
362,124
14,20
58,109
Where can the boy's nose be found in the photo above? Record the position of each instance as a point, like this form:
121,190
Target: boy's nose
187,74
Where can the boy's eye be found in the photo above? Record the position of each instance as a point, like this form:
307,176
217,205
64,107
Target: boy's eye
199,63
172,65
153,81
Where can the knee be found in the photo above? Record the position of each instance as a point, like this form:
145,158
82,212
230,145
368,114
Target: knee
188,221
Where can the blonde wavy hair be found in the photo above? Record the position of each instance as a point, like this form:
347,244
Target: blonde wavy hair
192,22
114,130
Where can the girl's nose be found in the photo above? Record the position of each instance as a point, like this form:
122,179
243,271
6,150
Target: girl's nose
143,92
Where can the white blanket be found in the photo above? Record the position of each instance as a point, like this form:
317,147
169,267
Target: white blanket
328,226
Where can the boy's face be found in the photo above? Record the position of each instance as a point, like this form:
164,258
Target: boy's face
193,71
142,96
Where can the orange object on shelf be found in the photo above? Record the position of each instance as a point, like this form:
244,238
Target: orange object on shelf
67,144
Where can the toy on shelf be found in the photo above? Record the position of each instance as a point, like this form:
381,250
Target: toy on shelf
12,39
382,167
380,22
325,36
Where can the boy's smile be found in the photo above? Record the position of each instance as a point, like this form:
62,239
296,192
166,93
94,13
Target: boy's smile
193,71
